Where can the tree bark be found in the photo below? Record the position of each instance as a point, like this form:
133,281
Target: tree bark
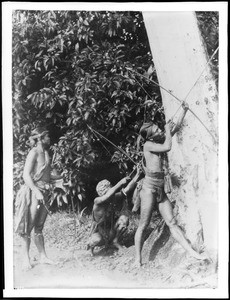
179,57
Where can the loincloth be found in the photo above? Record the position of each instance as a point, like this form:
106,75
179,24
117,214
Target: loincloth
24,198
154,181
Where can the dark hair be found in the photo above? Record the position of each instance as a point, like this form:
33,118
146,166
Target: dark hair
38,130
147,132
36,134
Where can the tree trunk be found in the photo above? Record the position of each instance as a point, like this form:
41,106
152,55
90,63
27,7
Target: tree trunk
179,57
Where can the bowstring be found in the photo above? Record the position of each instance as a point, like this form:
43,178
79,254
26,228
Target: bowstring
202,72
214,53
151,80
97,134
121,150
103,145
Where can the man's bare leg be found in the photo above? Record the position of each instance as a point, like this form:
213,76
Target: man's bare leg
26,240
91,251
39,242
180,238
38,236
116,243
95,240
166,211
120,229
26,265
147,202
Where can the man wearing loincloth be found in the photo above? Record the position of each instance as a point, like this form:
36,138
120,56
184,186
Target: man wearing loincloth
156,144
110,212
32,198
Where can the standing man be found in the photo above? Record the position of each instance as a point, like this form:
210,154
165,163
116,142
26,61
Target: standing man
32,198
156,144
110,212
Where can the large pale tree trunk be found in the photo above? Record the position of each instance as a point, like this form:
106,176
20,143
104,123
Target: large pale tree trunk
179,57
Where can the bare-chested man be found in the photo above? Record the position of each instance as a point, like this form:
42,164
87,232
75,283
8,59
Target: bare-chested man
32,198
110,212
156,144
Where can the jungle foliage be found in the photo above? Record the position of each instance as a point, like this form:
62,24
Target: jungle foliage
208,23
73,72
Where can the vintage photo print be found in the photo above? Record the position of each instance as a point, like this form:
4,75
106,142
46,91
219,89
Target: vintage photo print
115,149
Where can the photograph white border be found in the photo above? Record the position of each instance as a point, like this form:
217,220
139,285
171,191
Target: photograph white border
9,291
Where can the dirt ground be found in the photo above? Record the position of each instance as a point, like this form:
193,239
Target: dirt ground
169,267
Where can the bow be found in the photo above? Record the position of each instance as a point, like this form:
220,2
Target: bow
156,83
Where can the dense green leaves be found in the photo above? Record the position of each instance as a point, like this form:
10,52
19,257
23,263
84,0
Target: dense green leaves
209,27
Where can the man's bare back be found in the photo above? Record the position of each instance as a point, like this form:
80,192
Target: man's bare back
106,211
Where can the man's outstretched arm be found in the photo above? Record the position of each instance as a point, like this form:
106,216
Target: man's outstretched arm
180,119
132,184
111,191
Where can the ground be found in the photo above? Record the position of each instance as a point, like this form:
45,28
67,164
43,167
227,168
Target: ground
166,267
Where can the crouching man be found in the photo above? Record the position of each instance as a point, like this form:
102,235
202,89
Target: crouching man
110,212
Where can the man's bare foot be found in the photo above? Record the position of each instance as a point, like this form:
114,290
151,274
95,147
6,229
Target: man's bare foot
137,264
118,246
88,247
200,256
46,260
26,265
91,252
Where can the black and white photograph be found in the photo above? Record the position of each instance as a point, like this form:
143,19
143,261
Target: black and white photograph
115,170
